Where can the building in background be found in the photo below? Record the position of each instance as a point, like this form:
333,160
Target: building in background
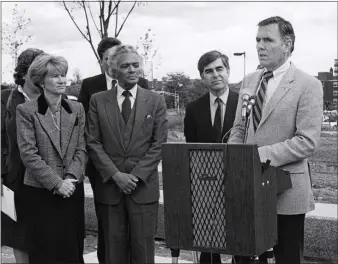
156,85
330,86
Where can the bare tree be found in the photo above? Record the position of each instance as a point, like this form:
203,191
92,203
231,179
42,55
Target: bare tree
77,77
146,46
98,16
148,50
13,36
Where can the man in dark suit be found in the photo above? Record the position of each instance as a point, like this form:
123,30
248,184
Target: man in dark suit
126,127
210,118
90,86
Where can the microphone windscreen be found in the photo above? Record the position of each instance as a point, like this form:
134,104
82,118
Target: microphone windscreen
245,97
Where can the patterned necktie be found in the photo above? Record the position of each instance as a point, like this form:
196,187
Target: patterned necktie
113,83
126,106
258,107
218,119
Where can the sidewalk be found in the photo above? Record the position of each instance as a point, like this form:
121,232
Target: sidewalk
162,253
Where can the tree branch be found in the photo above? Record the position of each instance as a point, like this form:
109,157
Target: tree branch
124,21
91,14
115,7
72,18
90,40
116,21
101,18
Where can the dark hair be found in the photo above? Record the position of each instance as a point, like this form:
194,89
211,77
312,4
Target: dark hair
285,28
105,44
211,56
25,59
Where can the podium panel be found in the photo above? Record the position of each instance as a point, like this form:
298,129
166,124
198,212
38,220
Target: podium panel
206,169
218,199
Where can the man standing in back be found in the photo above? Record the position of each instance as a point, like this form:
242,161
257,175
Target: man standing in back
210,118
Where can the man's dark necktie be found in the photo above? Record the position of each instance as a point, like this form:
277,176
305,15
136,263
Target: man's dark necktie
218,119
126,106
258,107
113,83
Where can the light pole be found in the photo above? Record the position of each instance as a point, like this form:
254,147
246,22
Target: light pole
240,54
178,97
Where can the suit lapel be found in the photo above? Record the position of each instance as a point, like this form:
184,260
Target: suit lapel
67,125
17,98
112,108
48,125
140,113
14,100
103,83
279,93
229,115
204,113
251,85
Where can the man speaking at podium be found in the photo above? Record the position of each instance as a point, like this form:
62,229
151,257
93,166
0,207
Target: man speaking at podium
209,118
285,124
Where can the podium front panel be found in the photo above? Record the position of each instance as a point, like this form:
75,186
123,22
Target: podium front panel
206,169
217,199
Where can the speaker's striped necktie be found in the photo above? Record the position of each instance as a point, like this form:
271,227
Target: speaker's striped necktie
258,107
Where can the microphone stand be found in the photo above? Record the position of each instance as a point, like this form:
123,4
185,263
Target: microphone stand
247,122
252,102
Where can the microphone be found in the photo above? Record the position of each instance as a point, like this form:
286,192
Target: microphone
252,102
245,99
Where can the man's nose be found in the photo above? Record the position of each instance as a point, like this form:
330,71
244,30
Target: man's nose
215,73
131,69
260,45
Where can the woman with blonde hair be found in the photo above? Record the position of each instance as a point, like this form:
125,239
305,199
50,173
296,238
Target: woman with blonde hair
53,150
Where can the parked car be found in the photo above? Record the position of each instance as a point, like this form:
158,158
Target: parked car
330,124
325,118
72,97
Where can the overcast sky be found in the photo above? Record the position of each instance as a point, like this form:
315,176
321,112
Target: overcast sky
186,30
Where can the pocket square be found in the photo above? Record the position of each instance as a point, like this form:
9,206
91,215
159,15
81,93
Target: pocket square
148,116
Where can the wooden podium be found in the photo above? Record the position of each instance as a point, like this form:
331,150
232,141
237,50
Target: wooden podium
220,198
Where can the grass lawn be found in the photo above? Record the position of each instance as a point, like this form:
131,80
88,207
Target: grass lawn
324,165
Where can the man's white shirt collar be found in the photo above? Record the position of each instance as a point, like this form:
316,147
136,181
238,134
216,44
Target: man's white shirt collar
224,97
281,70
120,90
109,81
274,82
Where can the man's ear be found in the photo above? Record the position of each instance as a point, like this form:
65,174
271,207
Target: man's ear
202,76
287,45
113,72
